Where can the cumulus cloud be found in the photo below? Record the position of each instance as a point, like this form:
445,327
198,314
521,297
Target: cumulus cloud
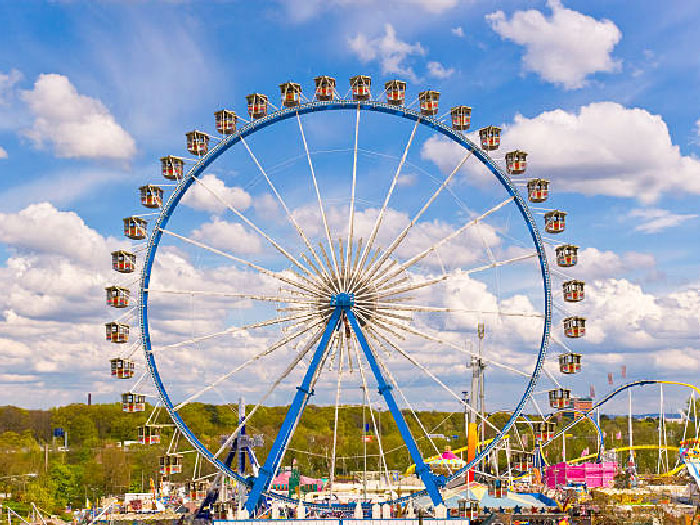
437,70
563,48
76,125
3,153
8,81
603,148
228,236
391,53
654,220
597,264
458,32
204,196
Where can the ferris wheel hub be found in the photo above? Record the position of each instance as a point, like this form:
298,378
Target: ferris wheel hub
344,300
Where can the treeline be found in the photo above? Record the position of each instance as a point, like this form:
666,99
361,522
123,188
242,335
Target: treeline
103,458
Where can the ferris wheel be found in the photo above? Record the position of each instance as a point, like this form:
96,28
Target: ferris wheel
333,245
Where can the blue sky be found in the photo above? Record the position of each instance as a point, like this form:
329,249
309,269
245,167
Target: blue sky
602,96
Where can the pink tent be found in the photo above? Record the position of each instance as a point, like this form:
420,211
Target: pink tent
281,482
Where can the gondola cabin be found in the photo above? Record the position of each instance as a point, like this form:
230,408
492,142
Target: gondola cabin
574,327
122,368
133,402
573,291
537,190
151,196
544,430
196,490
257,105
117,332
522,461
149,434
567,255
291,94
395,92
497,488
225,120
172,168
516,162
325,88
429,102
361,87
569,363
461,117
223,510
468,509
117,297
559,398
197,142
135,228
490,138
554,221
170,464
123,261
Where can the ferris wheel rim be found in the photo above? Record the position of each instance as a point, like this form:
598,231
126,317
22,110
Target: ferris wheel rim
278,116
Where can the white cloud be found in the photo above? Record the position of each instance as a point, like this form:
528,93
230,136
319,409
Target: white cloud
605,149
458,32
8,81
228,236
437,70
302,10
388,50
76,125
3,153
596,264
654,220
200,198
563,48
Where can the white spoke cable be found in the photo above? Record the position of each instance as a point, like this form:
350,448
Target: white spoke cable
369,403
320,203
419,308
250,361
138,382
289,214
335,422
253,297
432,376
373,268
439,340
442,241
252,225
254,266
390,191
302,318
351,218
446,276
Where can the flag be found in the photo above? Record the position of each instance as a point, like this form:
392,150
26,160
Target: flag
610,378
605,434
624,371
585,452
618,435
367,438
366,427
592,392
524,440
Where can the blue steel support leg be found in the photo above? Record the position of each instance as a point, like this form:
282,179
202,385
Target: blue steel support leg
268,470
422,468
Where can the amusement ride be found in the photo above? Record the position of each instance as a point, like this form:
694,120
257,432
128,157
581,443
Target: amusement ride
355,266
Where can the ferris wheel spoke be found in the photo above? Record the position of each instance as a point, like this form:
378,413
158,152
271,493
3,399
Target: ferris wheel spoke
351,218
404,266
380,307
252,225
432,376
369,402
252,297
387,290
297,359
278,344
439,340
290,216
335,420
390,191
320,203
301,318
373,268
265,271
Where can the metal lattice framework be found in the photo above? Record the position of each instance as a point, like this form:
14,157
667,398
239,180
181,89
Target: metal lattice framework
339,295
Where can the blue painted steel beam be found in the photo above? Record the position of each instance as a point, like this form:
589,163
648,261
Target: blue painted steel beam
422,469
272,462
